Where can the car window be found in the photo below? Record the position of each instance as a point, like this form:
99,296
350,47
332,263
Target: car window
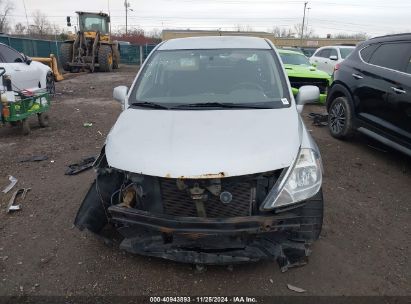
368,51
178,77
9,55
296,59
333,52
325,53
391,55
345,52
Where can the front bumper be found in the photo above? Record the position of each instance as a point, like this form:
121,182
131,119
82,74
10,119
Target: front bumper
209,241
196,240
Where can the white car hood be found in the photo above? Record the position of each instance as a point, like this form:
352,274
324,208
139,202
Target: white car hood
203,143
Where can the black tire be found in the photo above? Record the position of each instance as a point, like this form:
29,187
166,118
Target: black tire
43,119
105,58
115,64
50,84
340,118
25,127
66,55
116,59
310,219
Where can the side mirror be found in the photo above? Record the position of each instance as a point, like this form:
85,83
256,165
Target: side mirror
333,57
26,59
120,94
307,94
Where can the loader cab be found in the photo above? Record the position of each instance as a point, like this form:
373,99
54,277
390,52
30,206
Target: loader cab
94,22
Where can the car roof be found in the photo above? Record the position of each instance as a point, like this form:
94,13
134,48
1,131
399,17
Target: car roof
338,46
215,42
283,51
387,38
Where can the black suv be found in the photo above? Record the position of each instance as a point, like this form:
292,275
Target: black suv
371,92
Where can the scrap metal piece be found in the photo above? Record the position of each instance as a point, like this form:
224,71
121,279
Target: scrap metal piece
13,182
34,158
83,165
319,119
296,289
12,203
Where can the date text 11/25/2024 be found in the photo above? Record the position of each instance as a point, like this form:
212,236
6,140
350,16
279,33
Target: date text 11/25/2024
238,299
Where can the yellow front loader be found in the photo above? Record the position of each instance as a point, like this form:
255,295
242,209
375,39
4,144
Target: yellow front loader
91,47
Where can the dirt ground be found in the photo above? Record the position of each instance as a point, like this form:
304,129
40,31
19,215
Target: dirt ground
364,247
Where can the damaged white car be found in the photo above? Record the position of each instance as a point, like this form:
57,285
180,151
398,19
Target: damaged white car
210,162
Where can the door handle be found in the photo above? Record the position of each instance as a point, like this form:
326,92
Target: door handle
356,76
398,91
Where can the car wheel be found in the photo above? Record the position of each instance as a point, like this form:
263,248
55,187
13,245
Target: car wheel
66,55
25,127
340,118
50,84
105,58
43,120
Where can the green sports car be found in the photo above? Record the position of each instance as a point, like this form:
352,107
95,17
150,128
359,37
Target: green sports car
301,72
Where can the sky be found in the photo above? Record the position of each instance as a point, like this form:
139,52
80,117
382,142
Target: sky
373,17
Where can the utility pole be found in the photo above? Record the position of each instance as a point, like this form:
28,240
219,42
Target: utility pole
306,21
27,18
302,27
127,7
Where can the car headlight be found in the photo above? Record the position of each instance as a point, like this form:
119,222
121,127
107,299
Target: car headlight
300,182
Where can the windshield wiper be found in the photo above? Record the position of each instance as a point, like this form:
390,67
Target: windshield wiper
220,105
152,105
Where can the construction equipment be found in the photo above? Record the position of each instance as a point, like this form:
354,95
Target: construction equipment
52,63
91,47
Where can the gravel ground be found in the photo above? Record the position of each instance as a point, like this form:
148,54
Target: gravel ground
363,249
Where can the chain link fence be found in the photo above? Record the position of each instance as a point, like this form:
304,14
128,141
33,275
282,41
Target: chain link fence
129,53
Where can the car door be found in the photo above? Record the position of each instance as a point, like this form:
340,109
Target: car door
380,90
321,58
398,105
22,75
331,61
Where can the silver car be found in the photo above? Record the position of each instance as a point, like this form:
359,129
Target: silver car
210,161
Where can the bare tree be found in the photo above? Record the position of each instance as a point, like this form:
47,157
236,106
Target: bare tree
19,29
308,32
6,7
279,32
41,25
360,36
244,28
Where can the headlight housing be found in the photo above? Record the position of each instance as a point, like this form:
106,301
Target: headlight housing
300,182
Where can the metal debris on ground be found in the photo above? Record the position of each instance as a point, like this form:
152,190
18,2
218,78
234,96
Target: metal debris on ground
81,166
87,124
34,158
12,206
378,149
13,182
319,120
296,289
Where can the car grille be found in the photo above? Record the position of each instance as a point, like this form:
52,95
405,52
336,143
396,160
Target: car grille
297,82
178,202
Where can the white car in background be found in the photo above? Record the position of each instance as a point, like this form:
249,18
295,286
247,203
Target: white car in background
25,74
325,58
